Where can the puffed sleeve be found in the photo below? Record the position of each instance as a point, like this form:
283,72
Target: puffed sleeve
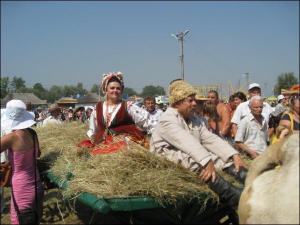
93,127
139,115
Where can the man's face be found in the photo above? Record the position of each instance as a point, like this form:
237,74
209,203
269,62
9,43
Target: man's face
256,107
55,113
187,107
212,98
254,91
150,105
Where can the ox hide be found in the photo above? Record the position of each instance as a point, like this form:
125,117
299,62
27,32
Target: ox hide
271,195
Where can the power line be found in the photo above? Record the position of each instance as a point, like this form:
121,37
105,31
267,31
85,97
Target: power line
209,56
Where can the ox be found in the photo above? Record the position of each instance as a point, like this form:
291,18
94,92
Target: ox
271,195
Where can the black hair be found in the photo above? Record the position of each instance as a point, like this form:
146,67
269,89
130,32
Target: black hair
114,79
231,98
241,96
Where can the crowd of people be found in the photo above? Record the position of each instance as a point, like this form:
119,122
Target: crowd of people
204,134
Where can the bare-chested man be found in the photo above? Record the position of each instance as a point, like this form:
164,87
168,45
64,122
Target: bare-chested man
224,114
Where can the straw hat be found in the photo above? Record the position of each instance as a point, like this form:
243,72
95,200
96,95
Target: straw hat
77,109
16,116
201,98
179,90
53,107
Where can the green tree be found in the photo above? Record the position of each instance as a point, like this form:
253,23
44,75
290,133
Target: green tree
24,90
153,90
286,81
96,88
129,91
38,86
70,90
55,93
17,83
4,86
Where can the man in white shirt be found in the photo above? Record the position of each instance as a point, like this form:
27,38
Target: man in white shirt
54,111
252,131
154,113
280,107
243,109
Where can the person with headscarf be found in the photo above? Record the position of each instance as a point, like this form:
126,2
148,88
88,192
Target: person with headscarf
114,121
22,147
181,137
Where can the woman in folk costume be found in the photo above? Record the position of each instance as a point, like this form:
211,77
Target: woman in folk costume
114,119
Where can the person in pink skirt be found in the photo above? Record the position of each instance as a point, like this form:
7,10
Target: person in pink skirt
19,145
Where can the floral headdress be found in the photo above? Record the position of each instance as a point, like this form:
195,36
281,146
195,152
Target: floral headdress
106,78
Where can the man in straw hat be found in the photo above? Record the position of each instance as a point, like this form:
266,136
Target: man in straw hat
54,111
182,138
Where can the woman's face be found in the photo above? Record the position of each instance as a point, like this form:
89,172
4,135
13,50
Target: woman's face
113,90
237,101
79,113
296,106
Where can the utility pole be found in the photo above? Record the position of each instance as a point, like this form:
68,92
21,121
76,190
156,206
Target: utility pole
180,38
265,92
99,88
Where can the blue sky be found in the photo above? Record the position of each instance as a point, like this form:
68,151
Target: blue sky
71,42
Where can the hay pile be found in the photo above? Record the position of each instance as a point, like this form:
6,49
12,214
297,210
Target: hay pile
134,172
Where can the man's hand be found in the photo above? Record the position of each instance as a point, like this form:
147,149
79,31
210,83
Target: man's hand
253,154
208,171
237,161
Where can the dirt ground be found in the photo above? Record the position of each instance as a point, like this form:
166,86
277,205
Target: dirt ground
60,211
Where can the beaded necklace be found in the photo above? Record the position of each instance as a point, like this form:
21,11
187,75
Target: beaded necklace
109,114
